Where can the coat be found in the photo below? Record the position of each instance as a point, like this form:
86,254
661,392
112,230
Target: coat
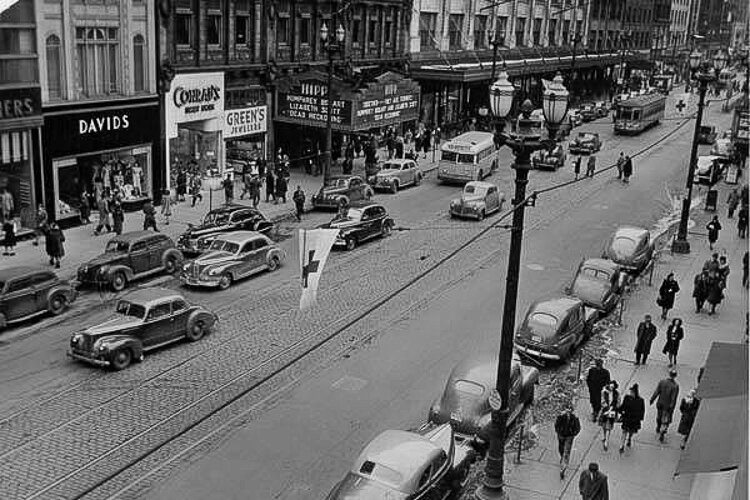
715,294
645,336
281,186
632,410
567,426
667,291
674,336
596,379
689,411
713,230
270,184
665,394
54,242
577,165
593,486
733,200
298,197
627,168
700,287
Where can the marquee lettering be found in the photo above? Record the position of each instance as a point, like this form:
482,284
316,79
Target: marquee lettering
103,124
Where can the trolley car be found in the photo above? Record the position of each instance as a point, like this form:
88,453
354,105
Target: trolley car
637,114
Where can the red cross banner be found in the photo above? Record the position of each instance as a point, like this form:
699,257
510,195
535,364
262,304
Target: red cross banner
682,103
314,247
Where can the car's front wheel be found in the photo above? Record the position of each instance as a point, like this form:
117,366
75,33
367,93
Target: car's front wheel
225,281
394,187
121,359
386,231
351,243
57,304
273,263
196,331
170,264
119,281
481,215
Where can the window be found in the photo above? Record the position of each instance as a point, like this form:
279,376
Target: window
248,247
357,32
283,23
373,38
520,30
455,35
427,24
18,43
259,243
389,33
213,29
480,32
502,27
537,31
183,29
566,32
138,246
54,67
159,311
305,30
139,63
244,33
19,284
179,305
552,32
98,52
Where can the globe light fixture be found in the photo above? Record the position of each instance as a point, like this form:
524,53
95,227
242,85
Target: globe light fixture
555,101
720,61
501,95
695,59
340,34
324,32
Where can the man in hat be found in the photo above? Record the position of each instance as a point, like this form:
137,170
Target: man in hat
567,427
665,396
596,379
593,484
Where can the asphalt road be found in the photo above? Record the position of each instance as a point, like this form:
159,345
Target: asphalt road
57,417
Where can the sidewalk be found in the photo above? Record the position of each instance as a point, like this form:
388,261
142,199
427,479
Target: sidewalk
646,470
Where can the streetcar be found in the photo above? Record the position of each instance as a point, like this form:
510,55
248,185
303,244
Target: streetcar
637,114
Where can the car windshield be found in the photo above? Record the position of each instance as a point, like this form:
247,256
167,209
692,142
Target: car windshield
623,246
354,214
129,309
363,487
542,324
586,137
216,218
467,387
469,189
391,166
116,246
226,246
336,183
597,274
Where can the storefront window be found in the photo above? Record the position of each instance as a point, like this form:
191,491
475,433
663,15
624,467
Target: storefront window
196,150
16,193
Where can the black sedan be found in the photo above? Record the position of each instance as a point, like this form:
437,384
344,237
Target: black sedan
598,283
361,222
552,329
630,247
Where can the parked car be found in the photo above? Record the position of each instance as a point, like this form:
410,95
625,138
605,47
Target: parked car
552,329
598,283
464,402
585,143
478,200
588,112
395,174
430,463
709,170
144,320
26,292
341,191
129,257
707,134
601,108
574,117
723,148
226,219
631,248
231,257
549,159
363,221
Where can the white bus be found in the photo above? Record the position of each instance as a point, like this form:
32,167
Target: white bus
469,157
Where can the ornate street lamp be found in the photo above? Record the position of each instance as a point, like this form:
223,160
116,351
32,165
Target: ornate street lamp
497,42
704,72
331,44
555,105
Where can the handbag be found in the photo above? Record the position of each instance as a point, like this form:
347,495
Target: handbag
660,301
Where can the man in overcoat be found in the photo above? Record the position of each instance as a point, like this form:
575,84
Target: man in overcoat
596,379
644,337
665,396
593,484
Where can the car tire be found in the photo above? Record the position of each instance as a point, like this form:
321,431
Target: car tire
351,243
171,264
196,330
57,304
480,175
481,215
120,359
225,281
273,263
3,321
418,180
386,231
394,187
119,281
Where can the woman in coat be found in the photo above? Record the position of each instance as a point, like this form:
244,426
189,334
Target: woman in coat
118,217
689,409
608,413
54,244
667,291
700,290
270,186
675,334
632,411
715,294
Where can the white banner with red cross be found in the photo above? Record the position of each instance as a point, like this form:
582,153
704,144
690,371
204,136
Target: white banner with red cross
314,247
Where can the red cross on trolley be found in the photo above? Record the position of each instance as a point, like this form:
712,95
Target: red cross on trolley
681,105
310,267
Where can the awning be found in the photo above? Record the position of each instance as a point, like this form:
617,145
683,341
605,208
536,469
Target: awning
725,371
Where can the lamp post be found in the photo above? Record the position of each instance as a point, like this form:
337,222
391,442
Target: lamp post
497,42
576,39
624,38
332,43
523,142
704,73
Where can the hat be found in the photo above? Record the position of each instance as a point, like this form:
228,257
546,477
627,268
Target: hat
672,373
593,467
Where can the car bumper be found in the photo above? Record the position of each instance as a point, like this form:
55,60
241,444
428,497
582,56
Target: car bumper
546,164
452,177
210,282
581,149
382,186
534,353
87,359
464,213
324,203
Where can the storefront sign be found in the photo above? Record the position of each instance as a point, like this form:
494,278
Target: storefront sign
196,96
310,106
19,104
103,123
245,121
395,108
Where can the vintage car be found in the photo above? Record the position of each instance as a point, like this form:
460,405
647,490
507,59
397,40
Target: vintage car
465,400
585,143
709,170
26,292
430,463
707,134
478,200
598,283
231,257
222,220
588,112
601,108
144,320
341,191
552,329
574,117
395,174
631,248
363,221
549,159
129,257
723,148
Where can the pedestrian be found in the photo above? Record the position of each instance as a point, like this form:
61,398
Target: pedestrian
9,237
280,190
713,228
103,207
41,223
742,218
689,409
181,185
247,182
54,244
608,413
675,334
567,427
644,337
270,186
744,269
195,189
632,411
596,379
255,185
149,216
592,485
620,165
426,139
591,166
667,291
712,266
723,271
733,200
228,185
700,289
715,293
577,167
166,206
627,169
665,395
85,207
118,217
299,202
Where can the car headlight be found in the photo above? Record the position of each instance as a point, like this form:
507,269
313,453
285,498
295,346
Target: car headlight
102,271
186,267
213,271
76,338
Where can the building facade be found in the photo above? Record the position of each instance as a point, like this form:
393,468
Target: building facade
99,100
20,117
679,23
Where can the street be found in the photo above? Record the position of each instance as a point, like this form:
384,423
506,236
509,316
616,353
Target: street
276,403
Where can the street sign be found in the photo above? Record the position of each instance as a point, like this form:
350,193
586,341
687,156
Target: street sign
496,401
